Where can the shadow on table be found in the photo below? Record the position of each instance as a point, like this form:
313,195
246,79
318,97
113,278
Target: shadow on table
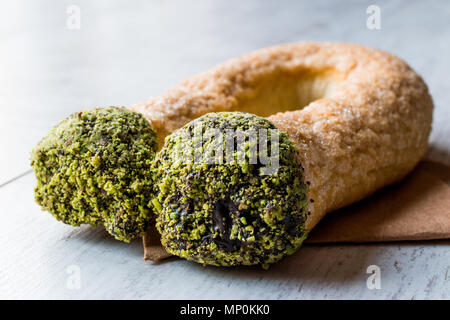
323,263
99,236
439,154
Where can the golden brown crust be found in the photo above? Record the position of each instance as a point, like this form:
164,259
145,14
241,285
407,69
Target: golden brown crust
361,121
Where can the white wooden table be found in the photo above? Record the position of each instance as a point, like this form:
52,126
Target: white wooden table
125,52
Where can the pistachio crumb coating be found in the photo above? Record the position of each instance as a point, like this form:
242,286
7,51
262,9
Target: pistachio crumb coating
94,168
228,213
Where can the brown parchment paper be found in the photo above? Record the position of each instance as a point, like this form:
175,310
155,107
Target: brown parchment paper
417,208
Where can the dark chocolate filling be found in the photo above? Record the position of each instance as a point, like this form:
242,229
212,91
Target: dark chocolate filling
223,222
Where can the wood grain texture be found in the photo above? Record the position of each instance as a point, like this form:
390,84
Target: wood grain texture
125,53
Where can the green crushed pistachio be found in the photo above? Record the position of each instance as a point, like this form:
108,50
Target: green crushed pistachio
228,214
94,168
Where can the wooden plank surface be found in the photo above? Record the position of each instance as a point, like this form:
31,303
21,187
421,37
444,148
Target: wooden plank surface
125,52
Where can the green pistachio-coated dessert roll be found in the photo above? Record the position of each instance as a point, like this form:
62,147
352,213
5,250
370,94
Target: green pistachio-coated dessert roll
229,191
94,168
